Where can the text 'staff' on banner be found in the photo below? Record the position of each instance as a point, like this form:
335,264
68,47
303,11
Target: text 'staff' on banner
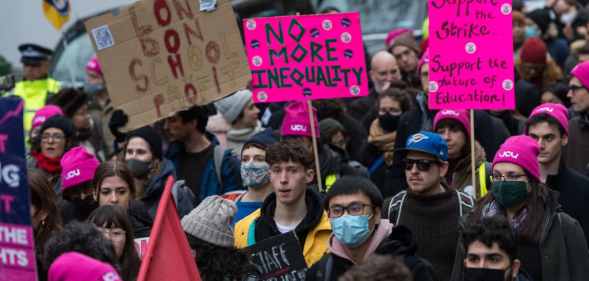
162,56
471,55
306,57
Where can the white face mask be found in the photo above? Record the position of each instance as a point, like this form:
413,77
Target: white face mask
568,17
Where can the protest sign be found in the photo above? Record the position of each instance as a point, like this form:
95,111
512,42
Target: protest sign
471,55
17,249
306,57
162,56
141,246
279,258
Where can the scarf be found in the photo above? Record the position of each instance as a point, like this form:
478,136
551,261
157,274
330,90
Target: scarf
49,165
385,142
493,209
243,135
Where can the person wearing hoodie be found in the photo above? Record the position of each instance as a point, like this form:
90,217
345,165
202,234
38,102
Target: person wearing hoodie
354,209
292,207
549,125
296,125
241,113
150,170
454,127
577,150
551,244
78,170
491,252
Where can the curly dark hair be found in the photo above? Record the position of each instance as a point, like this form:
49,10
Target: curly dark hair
290,150
379,268
217,263
83,238
491,230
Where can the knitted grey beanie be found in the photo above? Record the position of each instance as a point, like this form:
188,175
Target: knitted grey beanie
210,221
230,107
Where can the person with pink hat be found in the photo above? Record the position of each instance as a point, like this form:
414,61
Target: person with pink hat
404,47
549,126
42,115
577,150
100,107
454,127
77,174
551,243
73,266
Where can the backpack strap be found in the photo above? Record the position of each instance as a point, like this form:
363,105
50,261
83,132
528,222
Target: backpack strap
395,207
218,153
376,164
465,203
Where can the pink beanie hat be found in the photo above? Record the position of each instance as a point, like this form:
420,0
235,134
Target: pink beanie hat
93,65
296,120
45,113
423,60
522,151
77,166
73,266
393,34
459,115
554,110
581,72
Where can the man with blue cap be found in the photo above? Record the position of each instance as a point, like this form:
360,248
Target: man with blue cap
36,86
429,208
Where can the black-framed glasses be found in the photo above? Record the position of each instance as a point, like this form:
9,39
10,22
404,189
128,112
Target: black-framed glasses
508,177
55,137
575,88
354,209
423,165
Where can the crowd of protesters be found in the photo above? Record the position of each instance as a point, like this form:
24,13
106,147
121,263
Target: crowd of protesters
395,200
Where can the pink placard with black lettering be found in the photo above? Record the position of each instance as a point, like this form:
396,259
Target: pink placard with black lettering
471,55
306,57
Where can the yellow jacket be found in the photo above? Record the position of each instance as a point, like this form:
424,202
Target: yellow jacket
316,242
35,94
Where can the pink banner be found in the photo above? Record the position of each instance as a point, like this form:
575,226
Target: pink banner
17,253
471,55
306,57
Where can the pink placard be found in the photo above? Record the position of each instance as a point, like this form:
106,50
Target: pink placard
17,253
471,55
306,57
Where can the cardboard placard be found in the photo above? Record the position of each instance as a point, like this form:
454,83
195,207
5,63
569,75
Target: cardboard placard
471,55
17,249
279,258
306,57
162,56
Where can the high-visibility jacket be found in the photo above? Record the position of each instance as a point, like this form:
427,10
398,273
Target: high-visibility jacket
35,94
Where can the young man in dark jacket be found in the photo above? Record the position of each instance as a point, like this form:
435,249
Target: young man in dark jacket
549,125
354,209
429,208
577,150
199,160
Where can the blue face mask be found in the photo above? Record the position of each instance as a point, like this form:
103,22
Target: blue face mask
532,31
352,231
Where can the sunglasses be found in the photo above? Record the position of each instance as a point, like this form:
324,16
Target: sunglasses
423,165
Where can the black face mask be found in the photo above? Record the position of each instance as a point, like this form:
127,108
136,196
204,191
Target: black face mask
484,274
388,122
84,207
84,134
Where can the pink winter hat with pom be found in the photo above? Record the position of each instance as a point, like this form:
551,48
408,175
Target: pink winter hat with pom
45,113
296,120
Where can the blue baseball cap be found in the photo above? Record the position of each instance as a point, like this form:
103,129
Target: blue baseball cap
427,142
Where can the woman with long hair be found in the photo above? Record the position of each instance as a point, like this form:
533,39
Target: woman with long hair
114,185
43,213
551,244
113,222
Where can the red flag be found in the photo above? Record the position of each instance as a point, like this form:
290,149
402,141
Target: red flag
168,253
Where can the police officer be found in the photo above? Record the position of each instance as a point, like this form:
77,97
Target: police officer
36,86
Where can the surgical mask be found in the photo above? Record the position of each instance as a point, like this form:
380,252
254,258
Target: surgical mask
255,174
389,122
510,193
352,231
138,168
93,89
483,274
532,31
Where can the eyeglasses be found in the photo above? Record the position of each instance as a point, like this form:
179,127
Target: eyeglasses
354,209
55,137
575,88
508,177
116,234
423,165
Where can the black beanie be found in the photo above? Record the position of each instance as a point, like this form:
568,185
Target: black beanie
151,136
59,122
70,100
